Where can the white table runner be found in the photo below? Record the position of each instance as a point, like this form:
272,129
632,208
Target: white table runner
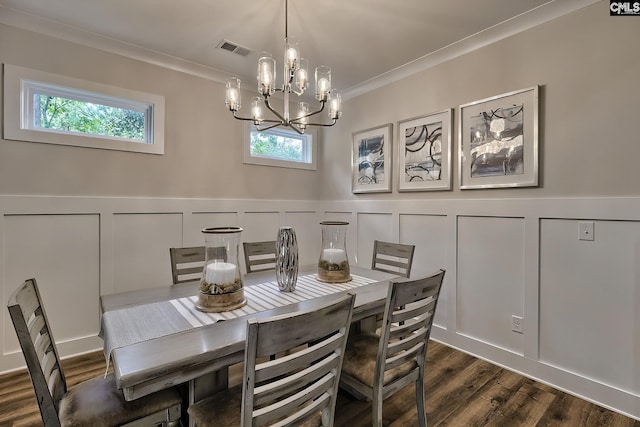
131,325
266,296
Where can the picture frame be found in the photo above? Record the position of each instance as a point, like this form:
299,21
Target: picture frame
424,152
371,160
498,141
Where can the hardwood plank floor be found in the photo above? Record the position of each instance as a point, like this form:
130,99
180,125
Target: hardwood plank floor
461,391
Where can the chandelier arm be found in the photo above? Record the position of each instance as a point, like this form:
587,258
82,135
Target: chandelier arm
278,122
297,119
333,122
275,124
266,102
296,128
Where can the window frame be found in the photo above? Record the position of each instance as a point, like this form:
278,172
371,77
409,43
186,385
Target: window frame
310,133
21,83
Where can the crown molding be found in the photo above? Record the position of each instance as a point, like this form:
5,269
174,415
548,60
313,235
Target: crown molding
544,13
25,21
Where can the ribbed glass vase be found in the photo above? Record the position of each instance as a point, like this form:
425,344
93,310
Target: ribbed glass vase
286,259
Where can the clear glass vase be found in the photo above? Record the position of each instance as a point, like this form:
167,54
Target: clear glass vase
333,266
286,259
221,284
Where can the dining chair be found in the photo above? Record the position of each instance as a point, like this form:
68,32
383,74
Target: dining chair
392,257
259,256
377,366
299,387
186,263
96,402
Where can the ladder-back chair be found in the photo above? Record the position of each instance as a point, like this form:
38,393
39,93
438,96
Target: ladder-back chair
377,366
297,388
96,402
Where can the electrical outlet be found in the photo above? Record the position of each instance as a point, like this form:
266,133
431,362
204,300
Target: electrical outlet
517,324
586,231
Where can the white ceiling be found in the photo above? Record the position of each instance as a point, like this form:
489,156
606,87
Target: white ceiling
363,41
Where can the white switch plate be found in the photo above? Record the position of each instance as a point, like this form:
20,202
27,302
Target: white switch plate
586,231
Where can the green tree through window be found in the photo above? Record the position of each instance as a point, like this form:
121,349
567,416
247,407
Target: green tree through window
276,146
90,118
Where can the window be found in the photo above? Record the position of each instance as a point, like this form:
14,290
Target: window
280,147
44,107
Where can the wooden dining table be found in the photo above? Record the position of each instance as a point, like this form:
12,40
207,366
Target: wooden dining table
199,348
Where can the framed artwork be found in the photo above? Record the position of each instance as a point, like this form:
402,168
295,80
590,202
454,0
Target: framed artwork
498,141
371,160
424,152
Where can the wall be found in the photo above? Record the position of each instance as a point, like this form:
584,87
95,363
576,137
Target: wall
72,218
203,151
587,66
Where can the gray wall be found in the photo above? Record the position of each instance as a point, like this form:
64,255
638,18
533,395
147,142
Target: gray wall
587,65
203,149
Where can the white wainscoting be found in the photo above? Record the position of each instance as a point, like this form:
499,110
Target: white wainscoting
580,300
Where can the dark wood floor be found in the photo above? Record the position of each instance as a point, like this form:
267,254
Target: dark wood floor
461,391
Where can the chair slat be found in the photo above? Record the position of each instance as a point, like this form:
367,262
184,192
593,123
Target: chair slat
275,390
400,330
295,361
423,307
306,412
42,344
54,381
36,325
186,263
49,362
387,261
259,254
190,270
286,406
403,357
409,341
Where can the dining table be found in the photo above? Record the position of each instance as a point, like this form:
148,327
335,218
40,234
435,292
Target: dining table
156,338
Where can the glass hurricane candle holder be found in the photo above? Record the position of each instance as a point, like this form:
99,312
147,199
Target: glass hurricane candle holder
333,266
221,284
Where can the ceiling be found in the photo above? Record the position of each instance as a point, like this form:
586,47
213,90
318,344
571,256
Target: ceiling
361,40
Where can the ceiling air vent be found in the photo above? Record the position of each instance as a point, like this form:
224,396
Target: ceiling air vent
234,47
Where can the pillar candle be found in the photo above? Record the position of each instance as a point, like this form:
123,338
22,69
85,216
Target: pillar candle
220,273
334,256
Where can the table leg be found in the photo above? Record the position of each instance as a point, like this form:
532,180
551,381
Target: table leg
368,324
206,385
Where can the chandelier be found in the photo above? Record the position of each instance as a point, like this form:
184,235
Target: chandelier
296,81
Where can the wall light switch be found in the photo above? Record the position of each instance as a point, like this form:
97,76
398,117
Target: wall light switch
586,231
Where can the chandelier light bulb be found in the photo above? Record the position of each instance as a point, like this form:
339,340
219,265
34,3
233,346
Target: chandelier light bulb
256,110
323,82
303,110
302,74
335,99
232,98
266,74
292,53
